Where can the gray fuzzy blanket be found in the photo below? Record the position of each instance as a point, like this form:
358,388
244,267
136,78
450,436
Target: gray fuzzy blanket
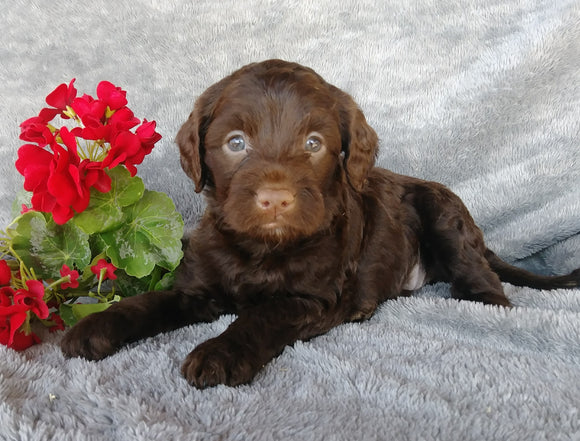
481,96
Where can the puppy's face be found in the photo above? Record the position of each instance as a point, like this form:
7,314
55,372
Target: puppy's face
269,143
273,149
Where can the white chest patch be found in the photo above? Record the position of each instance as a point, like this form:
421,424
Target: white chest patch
416,278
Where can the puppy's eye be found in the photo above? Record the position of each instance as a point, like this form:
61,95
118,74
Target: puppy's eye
313,144
236,143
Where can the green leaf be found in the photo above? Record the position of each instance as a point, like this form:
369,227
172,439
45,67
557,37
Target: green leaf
166,282
71,314
98,246
150,235
155,276
158,280
105,210
81,310
128,286
66,314
45,246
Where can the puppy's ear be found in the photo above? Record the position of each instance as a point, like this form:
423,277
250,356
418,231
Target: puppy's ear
191,136
191,150
359,141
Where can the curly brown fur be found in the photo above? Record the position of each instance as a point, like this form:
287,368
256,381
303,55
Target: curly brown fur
301,231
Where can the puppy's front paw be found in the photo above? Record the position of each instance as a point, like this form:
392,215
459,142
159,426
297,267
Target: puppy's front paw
218,361
94,337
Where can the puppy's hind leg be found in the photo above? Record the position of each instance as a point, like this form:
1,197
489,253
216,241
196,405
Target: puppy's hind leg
482,285
454,250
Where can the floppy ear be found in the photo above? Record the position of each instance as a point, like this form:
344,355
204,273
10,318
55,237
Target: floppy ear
359,141
190,149
190,137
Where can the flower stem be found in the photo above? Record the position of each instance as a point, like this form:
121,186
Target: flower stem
53,285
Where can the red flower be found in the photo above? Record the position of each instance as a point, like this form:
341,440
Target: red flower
59,98
147,134
86,105
64,181
11,318
73,274
104,269
62,96
33,163
32,298
114,97
95,176
5,274
60,179
36,165
131,148
60,182
123,146
70,180
92,114
36,130
22,341
122,120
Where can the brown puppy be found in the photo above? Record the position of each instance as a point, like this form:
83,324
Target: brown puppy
301,231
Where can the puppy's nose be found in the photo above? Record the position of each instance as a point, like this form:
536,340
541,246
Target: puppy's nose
274,199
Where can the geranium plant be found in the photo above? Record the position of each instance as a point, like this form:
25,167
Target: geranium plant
89,232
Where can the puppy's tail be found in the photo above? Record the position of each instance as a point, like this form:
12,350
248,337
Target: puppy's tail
520,277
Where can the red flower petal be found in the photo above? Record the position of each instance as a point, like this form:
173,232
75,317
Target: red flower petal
103,183
35,177
146,132
122,120
95,176
22,341
36,130
64,182
113,96
89,109
62,96
11,318
48,114
82,202
32,155
5,273
132,169
62,186
70,141
6,295
61,214
124,145
43,201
